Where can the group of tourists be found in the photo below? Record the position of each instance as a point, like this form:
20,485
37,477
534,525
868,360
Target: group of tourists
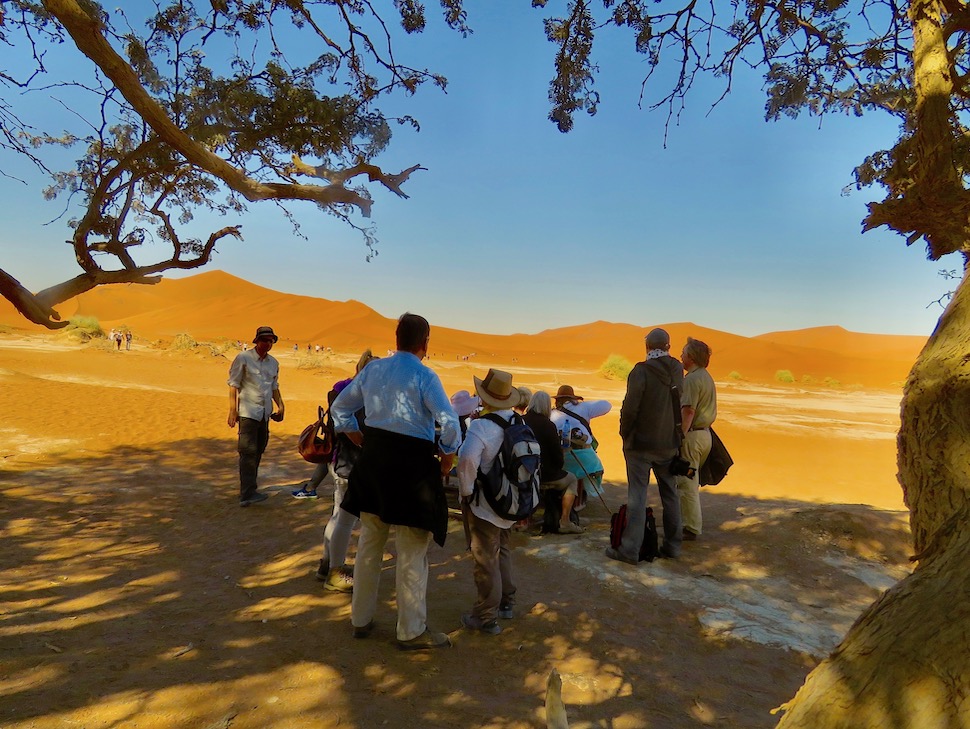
391,472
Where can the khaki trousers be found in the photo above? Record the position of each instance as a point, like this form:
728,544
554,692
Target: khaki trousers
695,448
411,575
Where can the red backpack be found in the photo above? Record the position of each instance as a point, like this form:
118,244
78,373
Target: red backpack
649,549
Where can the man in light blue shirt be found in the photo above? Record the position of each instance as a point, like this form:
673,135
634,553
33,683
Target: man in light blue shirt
397,479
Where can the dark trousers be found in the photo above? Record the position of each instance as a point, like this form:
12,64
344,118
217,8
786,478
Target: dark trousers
492,552
253,437
638,467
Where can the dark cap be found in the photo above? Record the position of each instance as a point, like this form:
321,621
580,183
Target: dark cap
658,339
265,332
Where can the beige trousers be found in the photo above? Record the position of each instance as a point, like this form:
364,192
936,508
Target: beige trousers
411,575
695,448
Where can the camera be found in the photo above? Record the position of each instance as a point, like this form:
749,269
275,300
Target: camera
681,467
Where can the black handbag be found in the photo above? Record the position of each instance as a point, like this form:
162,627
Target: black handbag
715,468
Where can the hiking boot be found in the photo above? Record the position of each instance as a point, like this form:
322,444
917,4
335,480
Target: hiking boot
490,627
425,642
567,527
323,570
505,608
364,631
254,499
615,554
340,580
304,494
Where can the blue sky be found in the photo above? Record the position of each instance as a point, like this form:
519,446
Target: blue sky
738,224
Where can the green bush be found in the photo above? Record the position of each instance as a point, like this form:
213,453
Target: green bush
808,380
832,382
184,341
784,376
735,375
82,329
616,367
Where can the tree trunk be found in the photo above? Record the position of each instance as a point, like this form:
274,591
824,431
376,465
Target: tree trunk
905,664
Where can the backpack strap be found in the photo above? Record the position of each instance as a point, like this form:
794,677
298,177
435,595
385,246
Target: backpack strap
498,420
664,377
578,417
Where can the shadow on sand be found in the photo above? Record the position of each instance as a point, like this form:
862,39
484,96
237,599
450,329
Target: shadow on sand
135,591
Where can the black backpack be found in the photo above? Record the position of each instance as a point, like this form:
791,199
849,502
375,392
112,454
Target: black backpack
511,484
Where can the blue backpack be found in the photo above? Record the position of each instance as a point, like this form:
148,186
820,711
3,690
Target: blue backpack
511,484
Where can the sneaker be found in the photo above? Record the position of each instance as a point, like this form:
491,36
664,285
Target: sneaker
364,631
304,494
340,580
490,627
424,642
254,499
505,608
569,528
615,554
323,570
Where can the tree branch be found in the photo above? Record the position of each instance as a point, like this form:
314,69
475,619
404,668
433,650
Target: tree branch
86,32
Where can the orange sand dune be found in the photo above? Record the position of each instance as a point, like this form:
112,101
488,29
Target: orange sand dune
215,305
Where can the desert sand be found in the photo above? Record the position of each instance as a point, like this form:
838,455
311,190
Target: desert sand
135,592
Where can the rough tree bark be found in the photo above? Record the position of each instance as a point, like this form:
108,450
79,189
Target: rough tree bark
906,661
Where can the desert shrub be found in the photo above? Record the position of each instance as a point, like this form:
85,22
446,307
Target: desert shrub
808,380
220,347
784,376
86,325
735,375
616,367
82,329
832,382
313,362
184,341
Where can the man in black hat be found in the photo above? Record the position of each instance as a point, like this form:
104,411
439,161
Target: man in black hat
253,388
650,429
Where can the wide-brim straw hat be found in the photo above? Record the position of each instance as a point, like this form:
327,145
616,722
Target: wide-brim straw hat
496,390
565,392
464,403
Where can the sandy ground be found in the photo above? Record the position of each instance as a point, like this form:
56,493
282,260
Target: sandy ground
134,592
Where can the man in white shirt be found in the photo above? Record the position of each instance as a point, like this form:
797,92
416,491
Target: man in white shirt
253,388
488,533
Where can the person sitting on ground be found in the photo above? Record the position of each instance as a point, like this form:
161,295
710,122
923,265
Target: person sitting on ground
489,534
571,418
554,476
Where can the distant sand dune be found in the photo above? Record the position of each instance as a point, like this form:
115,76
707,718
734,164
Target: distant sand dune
215,305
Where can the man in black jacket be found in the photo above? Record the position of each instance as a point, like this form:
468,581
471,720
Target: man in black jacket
650,429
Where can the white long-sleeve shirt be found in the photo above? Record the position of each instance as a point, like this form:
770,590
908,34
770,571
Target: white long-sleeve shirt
482,444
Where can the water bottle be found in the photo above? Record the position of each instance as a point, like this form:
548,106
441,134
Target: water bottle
565,434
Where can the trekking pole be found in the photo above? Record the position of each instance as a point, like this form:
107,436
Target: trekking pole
590,479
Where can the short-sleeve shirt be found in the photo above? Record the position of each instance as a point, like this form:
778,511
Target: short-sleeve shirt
699,393
256,379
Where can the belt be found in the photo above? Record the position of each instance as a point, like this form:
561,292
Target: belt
693,428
